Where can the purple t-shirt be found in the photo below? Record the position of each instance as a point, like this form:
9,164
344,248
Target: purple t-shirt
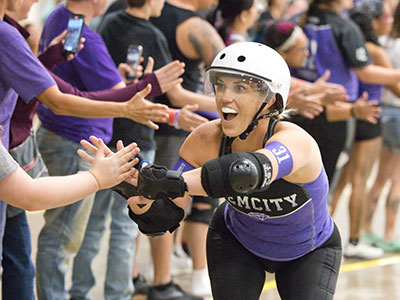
20,74
92,70
284,222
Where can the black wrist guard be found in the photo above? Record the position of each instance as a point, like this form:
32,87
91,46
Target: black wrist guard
162,216
126,190
236,173
157,183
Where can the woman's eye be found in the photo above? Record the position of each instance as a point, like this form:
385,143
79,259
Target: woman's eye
219,86
240,88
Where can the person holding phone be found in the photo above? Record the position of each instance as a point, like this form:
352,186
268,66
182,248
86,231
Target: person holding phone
91,70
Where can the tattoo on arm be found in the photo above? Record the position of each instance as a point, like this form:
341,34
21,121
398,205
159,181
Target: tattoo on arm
206,42
196,44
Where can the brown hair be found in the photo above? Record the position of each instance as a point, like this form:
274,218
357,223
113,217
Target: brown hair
395,33
135,3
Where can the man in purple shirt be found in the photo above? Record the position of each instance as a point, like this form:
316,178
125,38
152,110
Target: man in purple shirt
20,75
58,138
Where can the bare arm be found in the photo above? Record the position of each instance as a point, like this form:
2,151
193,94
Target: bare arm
381,58
137,109
307,162
378,75
198,39
20,190
179,97
360,109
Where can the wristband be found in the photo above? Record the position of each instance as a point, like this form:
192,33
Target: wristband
171,116
176,124
297,84
95,178
283,158
141,163
352,112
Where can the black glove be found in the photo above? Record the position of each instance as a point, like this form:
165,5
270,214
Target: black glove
126,190
156,183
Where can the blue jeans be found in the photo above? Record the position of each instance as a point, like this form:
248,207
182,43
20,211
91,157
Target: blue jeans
391,127
18,271
118,282
64,228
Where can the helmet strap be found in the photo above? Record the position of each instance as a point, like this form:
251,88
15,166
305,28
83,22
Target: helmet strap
254,123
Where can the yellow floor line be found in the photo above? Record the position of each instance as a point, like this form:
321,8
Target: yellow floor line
352,267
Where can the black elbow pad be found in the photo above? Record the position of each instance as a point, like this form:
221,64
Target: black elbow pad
236,174
162,216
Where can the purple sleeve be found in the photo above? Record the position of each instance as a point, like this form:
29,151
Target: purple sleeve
21,70
211,115
115,95
52,56
182,165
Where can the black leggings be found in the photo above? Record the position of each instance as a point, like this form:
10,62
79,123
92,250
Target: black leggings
237,274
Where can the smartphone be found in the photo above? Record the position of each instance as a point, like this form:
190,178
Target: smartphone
132,59
74,33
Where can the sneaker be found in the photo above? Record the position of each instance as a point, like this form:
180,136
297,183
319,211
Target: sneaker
389,246
371,239
141,286
181,263
201,285
362,251
172,292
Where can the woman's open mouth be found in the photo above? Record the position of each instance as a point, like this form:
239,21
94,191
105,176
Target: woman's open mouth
228,113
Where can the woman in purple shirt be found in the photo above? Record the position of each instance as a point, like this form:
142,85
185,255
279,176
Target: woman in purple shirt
275,217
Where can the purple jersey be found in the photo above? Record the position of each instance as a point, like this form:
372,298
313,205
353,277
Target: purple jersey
284,222
335,44
21,74
322,45
374,90
92,70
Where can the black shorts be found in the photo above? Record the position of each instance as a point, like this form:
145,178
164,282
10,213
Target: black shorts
238,274
367,131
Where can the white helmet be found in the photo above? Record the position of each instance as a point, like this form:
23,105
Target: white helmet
256,61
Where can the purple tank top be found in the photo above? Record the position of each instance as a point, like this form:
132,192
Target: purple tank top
284,222
374,90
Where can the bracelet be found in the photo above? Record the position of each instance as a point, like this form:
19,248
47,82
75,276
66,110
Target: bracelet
141,163
176,124
352,112
297,84
95,178
171,116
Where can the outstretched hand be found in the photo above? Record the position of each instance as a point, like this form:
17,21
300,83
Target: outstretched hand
333,92
188,120
367,110
109,168
145,112
307,106
168,75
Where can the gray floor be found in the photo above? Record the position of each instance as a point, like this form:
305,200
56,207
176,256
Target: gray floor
358,279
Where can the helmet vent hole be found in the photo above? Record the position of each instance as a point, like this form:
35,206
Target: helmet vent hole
241,58
222,56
